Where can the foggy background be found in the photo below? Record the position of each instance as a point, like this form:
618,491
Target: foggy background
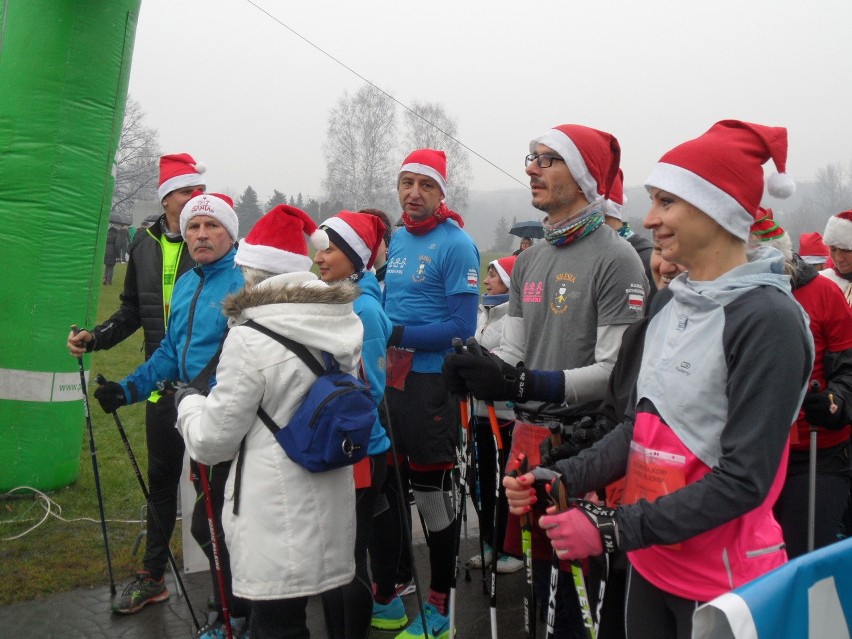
252,88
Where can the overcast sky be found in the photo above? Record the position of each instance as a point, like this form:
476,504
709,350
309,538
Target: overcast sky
226,82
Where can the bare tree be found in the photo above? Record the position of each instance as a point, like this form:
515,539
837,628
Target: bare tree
360,150
136,163
830,193
430,126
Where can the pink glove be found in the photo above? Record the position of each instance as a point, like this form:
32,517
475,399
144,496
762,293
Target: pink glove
572,534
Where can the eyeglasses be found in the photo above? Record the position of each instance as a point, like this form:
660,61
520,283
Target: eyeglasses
545,160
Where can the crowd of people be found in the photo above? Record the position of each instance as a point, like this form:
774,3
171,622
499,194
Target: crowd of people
671,389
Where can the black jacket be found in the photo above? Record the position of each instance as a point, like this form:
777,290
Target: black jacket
142,297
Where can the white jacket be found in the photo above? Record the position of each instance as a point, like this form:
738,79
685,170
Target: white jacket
295,532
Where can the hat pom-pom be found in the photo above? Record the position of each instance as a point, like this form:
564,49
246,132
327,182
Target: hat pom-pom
319,239
781,185
200,167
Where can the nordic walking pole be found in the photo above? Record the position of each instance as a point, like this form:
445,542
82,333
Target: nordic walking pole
812,479
475,347
101,380
93,452
477,484
526,546
558,497
458,345
214,544
406,515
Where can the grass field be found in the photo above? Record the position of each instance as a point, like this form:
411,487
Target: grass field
65,551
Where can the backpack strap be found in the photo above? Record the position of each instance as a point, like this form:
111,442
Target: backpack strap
301,352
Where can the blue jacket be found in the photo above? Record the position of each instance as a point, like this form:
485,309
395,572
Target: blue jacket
377,330
196,327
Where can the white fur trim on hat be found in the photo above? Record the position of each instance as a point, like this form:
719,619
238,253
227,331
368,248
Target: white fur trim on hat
838,233
424,169
211,205
348,235
710,199
568,151
268,258
504,276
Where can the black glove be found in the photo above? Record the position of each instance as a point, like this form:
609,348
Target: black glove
587,431
824,409
551,454
111,397
453,381
489,378
485,376
185,391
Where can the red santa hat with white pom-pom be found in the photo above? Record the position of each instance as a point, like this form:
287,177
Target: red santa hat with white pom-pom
277,243
177,171
721,172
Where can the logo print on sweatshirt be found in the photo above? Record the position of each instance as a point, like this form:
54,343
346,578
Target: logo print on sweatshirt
396,265
559,303
636,298
472,278
420,273
532,292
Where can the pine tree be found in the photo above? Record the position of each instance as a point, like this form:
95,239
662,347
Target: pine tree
248,210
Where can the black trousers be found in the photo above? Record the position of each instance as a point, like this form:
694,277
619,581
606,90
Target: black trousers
165,461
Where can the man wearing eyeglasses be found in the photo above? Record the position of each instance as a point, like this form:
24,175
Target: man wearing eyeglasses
571,299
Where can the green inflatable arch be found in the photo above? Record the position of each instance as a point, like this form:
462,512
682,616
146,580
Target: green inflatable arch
64,70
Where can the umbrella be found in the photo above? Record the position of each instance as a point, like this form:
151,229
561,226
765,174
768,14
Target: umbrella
532,228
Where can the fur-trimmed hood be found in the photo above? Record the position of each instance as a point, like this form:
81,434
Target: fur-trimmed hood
289,289
303,308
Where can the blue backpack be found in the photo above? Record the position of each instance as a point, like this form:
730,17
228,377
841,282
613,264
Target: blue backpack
332,426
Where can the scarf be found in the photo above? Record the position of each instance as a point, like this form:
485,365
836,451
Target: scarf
441,215
575,229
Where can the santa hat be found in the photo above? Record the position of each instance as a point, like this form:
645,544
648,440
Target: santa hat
592,156
838,231
358,235
428,162
177,171
276,243
812,249
765,231
614,204
215,205
504,267
721,172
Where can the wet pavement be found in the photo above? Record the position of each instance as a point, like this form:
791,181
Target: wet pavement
86,614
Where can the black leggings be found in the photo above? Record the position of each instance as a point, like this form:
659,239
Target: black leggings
650,612
349,609
387,544
165,462
279,619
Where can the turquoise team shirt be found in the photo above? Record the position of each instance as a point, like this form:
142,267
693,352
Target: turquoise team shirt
422,271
